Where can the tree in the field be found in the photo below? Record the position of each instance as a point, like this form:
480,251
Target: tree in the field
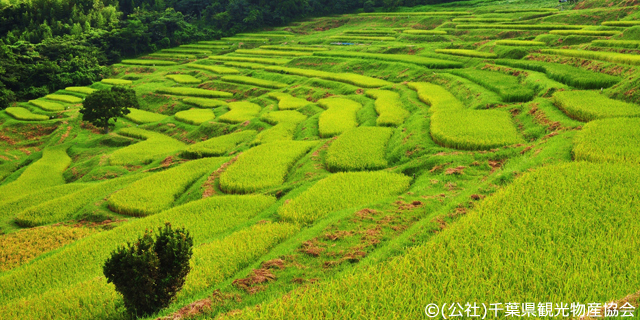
103,105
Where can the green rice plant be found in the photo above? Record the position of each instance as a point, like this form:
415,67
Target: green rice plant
425,32
246,65
47,105
423,61
389,108
294,48
187,51
240,39
141,116
544,222
19,203
183,78
217,146
358,149
65,208
609,140
629,23
591,105
241,111
204,46
63,98
116,81
371,31
268,35
85,90
261,52
349,38
24,114
205,103
628,44
154,145
195,116
264,166
339,117
287,101
520,26
350,78
572,76
194,92
437,97
217,42
429,13
255,82
272,61
216,69
526,10
523,43
507,86
482,20
148,62
341,191
285,124
75,264
159,191
585,33
468,53
172,55
597,55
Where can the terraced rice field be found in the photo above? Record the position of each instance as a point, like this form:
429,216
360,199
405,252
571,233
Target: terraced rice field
363,166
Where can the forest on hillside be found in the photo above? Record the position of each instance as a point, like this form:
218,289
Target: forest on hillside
46,45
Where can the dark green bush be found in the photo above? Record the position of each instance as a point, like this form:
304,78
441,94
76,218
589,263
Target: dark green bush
150,272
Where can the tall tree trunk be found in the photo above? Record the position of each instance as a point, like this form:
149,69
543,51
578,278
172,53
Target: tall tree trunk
106,126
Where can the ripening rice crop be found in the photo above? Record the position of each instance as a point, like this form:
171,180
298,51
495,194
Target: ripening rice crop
148,62
159,191
468,53
423,61
294,48
427,13
273,61
241,111
85,90
21,113
339,117
541,223
240,39
519,26
195,116
350,78
592,105
341,191
172,55
245,65
19,203
520,43
65,208
629,23
507,86
116,81
628,44
187,51
142,116
424,32
350,38
154,145
362,148
389,107
204,46
437,97
371,31
47,105
216,69
183,78
264,166
266,34
482,20
261,52
287,101
597,55
205,103
63,98
195,92
217,146
609,140
44,173
254,82
23,246
585,33
526,10
285,124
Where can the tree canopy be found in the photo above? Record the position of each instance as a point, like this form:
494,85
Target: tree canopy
103,105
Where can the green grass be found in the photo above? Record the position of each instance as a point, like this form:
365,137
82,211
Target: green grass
287,101
609,140
468,53
204,103
251,60
194,92
254,82
524,43
195,116
154,145
294,48
594,33
141,116
47,105
350,78
159,191
359,149
217,146
149,62
519,26
597,55
507,86
350,38
628,44
215,69
24,114
341,191
621,23
63,98
339,117
183,78
279,53
241,111
425,32
592,105
389,108
264,166
85,90
423,61
116,81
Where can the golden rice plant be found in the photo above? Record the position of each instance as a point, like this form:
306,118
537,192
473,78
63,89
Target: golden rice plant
47,105
183,78
350,78
280,53
592,105
254,82
205,103
389,107
339,117
63,97
241,111
194,92
142,116
21,113
154,145
116,81
194,116
218,146
362,148
215,69
609,140
287,101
